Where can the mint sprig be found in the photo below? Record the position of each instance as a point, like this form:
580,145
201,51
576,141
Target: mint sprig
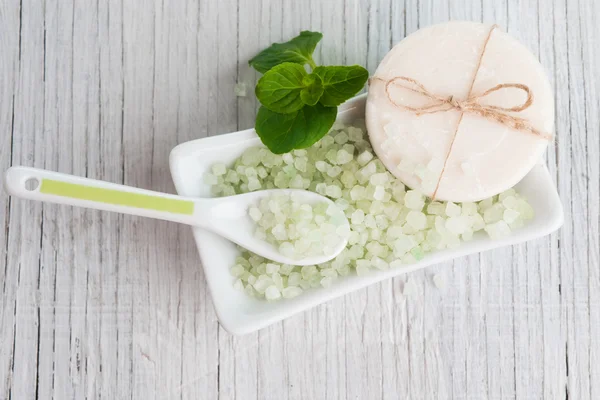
299,107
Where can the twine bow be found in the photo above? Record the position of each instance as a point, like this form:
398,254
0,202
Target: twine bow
471,105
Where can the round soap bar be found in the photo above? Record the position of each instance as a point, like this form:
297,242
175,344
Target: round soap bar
433,125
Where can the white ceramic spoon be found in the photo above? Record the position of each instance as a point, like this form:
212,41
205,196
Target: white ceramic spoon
225,216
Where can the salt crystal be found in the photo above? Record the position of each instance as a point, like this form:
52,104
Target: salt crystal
358,217
333,191
477,222
414,200
287,249
291,291
452,210
255,214
271,268
294,278
469,208
272,293
507,193
379,193
237,270
436,208
219,169
341,138
439,281
416,219
379,263
362,271
253,184
510,202
300,164
493,214
364,157
334,171
456,225
321,188
343,157
510,216
354,134
417,253
262,283
379,179
322,166
327,141
240,89
498,230
357,193
210,179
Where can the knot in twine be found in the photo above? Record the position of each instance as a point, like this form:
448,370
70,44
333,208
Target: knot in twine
471,105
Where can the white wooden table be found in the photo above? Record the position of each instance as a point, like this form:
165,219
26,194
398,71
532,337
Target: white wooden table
100,305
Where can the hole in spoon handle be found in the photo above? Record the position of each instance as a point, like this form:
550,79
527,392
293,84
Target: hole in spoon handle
32,184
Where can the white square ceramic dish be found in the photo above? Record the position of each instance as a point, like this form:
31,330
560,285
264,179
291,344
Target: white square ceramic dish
239,313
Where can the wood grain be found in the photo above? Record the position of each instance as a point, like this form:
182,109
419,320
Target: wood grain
97,305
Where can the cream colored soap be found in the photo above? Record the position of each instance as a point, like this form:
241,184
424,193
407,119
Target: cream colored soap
479,156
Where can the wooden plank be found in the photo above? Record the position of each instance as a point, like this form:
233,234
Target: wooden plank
529,350
554,349
10,42
85,264
57,247
577,283
64,154
590,60
25,224
138,339
110,168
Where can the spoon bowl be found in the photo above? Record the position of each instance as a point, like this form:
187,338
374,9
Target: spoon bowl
228,217
225,216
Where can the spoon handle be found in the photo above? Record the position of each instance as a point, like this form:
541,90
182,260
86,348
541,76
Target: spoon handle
54,187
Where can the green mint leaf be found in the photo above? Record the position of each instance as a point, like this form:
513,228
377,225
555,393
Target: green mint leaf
280,88
282,133
340,83
298,50
313,89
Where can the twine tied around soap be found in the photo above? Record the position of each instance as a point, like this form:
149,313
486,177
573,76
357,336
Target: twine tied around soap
471,105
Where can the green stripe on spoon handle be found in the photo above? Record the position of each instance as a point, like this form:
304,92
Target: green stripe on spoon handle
54,187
